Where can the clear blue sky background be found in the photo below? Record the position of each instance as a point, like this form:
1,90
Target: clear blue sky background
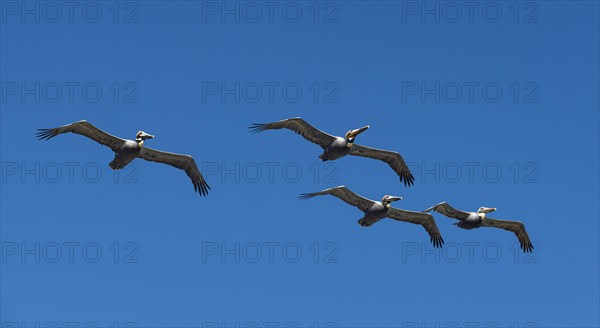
367,52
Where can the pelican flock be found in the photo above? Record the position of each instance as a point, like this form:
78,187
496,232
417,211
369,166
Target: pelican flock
333,148
128,150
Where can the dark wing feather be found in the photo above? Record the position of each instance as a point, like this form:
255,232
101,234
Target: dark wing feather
515,226
344,194
84,128
449,211
299,126
183,162
394,160
424,219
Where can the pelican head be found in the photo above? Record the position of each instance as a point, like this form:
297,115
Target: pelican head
483,210
387,199
141,136
351,135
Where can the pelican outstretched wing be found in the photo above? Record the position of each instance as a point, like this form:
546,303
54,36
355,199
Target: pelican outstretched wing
299,126
344,194
183,162
84,128
394,160
515,226
424,219
449,211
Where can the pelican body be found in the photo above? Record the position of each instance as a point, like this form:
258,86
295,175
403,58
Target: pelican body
337,147
374,211
378,211
341,147
128,150
474,219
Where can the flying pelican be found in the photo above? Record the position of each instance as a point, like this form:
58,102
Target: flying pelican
336,147
128,150
375,211
472,220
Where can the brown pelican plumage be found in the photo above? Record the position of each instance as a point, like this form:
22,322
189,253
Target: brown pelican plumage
375,211
472,220
128,150
336,147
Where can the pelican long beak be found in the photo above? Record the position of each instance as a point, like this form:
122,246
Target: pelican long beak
145,136
354,133
487,209
394,198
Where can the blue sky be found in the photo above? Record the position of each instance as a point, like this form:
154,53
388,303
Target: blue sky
495,107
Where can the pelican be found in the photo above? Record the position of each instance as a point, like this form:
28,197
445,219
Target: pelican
128,150
472,220
375,211
337,147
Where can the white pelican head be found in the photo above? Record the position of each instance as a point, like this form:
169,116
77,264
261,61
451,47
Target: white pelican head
141,136
351,135
485,210
387,199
